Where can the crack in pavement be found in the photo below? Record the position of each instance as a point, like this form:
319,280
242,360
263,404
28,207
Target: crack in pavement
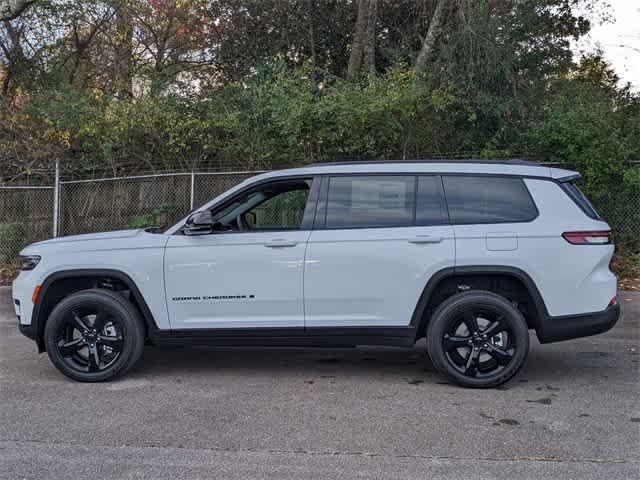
5,444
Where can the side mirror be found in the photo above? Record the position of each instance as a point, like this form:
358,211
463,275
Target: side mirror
199,223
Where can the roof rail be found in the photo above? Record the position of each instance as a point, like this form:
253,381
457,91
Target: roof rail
514,161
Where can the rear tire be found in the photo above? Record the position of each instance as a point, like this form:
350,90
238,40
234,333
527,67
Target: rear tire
94,335
478,339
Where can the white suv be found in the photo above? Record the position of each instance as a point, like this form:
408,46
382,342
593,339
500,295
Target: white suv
470,255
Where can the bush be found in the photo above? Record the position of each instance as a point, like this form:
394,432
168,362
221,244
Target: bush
158,217
12,240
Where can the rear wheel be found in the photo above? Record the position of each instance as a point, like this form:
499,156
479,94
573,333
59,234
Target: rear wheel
478,339
94,335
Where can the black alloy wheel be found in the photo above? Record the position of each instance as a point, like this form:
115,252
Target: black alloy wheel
90,339
94,335
479,342
478,339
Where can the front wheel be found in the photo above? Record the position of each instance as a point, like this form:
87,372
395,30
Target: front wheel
478,339
94,335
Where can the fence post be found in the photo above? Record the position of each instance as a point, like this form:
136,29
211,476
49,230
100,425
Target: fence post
56,199
193,184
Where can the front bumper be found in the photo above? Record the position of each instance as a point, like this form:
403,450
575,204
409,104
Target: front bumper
27,330
556,329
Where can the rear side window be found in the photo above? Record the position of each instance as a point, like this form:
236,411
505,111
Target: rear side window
579,198
485,199
370,201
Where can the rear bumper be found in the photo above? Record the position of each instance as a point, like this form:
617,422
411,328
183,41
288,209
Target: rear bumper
556,329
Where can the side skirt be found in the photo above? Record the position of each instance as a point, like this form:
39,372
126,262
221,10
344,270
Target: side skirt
287,337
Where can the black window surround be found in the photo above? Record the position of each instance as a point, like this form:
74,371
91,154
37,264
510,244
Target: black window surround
315,210
309,211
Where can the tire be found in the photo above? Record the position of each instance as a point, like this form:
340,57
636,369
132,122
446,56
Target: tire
94,335
491,357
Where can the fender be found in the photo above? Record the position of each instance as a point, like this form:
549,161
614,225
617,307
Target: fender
38,322
521,275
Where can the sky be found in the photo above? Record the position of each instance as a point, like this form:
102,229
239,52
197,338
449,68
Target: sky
619,39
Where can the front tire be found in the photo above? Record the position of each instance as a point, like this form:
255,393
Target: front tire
94,335
478,339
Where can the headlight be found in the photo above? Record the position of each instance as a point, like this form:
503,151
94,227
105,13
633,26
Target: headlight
29,262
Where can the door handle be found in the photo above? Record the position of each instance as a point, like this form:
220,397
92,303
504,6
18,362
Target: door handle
280,242
425,239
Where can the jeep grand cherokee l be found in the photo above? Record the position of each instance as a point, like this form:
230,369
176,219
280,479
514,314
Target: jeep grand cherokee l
471,255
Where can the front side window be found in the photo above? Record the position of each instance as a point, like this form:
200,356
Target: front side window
370,201
273,206
485,199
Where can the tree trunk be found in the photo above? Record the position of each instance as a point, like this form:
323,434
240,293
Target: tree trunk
11,46
429,41
357,48
311,12
10,9
370,45
123,68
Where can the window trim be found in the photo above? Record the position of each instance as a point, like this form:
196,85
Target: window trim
315,210
307,217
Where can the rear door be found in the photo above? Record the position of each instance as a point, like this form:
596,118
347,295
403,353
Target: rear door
376,242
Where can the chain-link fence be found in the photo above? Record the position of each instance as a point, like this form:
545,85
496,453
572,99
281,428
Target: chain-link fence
26,216
29,214
130,202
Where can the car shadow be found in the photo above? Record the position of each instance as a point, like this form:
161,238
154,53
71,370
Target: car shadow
548,365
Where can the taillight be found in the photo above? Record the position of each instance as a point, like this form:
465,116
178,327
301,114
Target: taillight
588,238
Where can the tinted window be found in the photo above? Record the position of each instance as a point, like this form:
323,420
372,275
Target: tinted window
580,199
273,206
430,209
370,201
488,200
283,211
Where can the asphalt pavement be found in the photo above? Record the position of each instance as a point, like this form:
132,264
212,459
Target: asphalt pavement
573,412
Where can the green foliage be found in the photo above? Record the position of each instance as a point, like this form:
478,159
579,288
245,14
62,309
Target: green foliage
258,84
12,240
155,218
594,129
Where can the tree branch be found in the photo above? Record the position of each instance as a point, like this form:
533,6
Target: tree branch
10,9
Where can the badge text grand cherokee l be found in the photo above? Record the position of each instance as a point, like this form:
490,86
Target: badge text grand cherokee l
471,255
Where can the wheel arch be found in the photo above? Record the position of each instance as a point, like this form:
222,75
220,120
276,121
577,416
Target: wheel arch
444,283
59,285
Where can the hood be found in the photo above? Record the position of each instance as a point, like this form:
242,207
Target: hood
87,237
104,241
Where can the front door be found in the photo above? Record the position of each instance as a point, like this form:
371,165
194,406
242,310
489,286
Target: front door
248,272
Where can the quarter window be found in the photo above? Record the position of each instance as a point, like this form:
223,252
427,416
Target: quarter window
370,201
484,199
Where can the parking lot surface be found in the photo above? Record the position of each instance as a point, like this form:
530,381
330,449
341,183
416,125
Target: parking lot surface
573,412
